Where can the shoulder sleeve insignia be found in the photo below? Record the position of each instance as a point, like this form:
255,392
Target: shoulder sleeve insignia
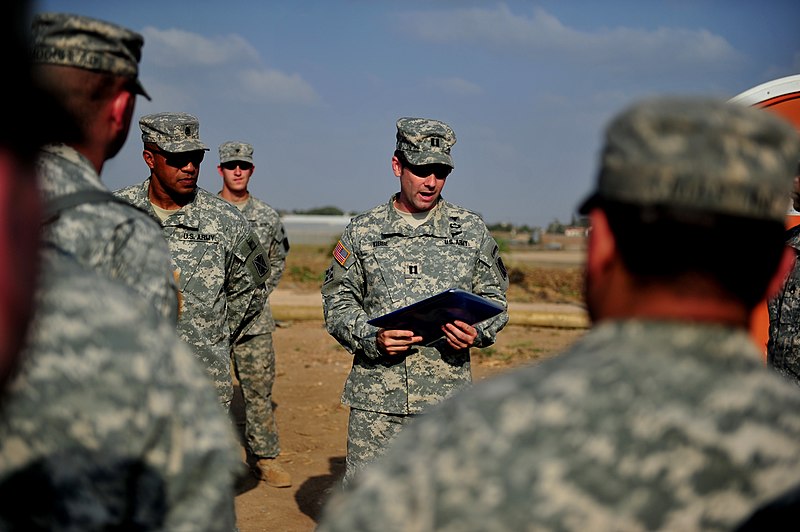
261,265
341,253
502,267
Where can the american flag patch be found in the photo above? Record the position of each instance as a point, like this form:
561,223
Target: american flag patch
340,253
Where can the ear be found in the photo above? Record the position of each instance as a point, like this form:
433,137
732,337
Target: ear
149,159
784,269
219,169
602,248
397,167
121,110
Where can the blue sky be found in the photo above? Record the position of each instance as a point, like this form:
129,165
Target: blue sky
316,86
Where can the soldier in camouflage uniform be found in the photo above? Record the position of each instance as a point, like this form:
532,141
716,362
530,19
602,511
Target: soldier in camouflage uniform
99,413
220,262
783,348
662,417
91,67
253,355
412,247
109,422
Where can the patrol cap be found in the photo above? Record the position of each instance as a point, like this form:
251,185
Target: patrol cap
172,132
83,42
698,154
233,150
425,141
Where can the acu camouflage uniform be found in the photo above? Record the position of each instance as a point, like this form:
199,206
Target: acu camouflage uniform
382,264
222,271
109,422
254,354
639,426
783,348
221,264
82,217
112,238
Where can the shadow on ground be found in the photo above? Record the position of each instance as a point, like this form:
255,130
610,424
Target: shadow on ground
314,493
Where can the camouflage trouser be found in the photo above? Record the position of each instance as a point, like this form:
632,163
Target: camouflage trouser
368,435
254,367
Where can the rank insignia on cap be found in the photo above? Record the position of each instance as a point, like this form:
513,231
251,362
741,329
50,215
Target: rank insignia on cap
340,253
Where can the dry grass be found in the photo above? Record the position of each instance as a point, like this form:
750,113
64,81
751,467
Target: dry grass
538,284
529,283
305,267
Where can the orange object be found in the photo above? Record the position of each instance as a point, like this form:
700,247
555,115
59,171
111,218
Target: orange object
780,96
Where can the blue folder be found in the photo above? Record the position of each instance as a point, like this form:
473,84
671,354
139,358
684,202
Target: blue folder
427,316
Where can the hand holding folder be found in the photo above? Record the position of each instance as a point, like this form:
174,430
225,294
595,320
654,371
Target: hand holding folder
427,316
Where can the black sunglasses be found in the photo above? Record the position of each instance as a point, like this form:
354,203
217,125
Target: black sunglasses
231,165
441,171
181,159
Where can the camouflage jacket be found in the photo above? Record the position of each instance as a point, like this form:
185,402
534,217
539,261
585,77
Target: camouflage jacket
109,422
383,264
267,225
639,426
783,348
111,238
222,269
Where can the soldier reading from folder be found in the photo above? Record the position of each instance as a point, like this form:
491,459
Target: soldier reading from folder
405,250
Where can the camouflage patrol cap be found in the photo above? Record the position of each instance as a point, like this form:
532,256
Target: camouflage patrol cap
172,132
698,154
425,141
235,151
83,42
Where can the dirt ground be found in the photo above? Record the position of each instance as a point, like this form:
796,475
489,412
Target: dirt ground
311,369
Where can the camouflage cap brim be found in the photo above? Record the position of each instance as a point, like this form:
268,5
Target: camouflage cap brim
172,132
235,151
425,141
83,42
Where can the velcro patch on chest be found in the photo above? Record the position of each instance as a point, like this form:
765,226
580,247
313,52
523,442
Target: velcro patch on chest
198,237
411,269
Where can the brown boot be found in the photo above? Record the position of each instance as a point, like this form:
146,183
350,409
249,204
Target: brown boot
272,472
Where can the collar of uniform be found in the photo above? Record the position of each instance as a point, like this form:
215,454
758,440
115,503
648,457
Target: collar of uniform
87,178
69,153
437,226
191,214
185,217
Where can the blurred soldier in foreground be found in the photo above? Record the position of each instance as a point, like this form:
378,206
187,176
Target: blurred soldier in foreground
253,355
91,68
783,348
220,262
412,247
106,419
110,422
663,416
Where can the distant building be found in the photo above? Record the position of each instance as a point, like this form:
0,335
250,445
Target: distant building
314,229
576,231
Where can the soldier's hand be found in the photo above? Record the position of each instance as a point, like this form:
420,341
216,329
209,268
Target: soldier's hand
394,342
459,334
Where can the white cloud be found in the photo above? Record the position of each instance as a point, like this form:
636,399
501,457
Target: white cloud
542,33
173,47
273,85
216,61
457,86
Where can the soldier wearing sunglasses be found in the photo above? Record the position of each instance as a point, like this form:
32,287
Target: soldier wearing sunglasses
220,264
409,248
253,355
